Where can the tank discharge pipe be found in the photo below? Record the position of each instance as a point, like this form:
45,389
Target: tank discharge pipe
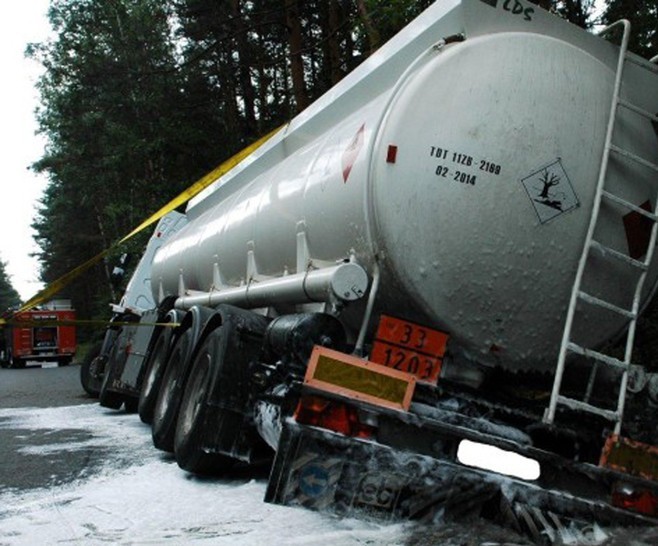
344,282
358,349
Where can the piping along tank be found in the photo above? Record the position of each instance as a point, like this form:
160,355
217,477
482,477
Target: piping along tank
459,165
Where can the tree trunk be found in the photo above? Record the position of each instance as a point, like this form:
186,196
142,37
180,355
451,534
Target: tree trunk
106,244
293,22
244,66
371,32
333,58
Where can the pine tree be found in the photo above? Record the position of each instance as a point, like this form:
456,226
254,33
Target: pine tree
121,140
9,297
643,16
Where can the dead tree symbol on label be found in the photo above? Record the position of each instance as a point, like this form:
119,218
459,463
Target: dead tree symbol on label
549,179
550,191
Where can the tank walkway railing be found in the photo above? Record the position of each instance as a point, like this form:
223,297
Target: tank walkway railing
568,345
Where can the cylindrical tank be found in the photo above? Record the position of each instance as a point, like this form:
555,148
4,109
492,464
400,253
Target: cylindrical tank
470,181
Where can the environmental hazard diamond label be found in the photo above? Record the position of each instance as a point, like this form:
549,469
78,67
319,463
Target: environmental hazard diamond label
550,191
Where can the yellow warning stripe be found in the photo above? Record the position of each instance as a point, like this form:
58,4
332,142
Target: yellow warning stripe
49,323
56,286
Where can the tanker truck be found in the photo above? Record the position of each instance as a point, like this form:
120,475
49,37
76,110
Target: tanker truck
453,245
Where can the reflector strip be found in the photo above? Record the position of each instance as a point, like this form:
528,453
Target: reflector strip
349,376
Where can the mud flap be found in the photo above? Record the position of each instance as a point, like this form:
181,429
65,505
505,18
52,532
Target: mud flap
329,472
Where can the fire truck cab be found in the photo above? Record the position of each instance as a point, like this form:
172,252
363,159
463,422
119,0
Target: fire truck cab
46,333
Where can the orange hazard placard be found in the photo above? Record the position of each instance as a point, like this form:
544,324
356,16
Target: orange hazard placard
410,348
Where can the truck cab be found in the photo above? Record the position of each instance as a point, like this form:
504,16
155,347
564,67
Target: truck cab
43,334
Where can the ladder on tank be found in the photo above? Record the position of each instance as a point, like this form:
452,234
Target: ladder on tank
578,295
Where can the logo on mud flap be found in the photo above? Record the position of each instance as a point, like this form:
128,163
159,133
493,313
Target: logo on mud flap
379,490
550,191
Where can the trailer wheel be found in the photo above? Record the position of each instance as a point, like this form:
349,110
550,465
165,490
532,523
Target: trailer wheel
171,392
89,378
16,362
194,416
130,404
155,367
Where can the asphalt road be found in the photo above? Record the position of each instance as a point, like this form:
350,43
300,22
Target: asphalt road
40,387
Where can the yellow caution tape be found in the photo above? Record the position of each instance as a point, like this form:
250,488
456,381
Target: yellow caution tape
56,286
50,323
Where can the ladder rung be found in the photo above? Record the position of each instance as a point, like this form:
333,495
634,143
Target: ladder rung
638,110
607,251
610,415
629,205
606,305
589,353
634,157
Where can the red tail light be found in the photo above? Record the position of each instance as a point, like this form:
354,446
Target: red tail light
332,415
637,500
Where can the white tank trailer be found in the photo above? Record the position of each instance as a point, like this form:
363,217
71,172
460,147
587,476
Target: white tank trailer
461,171
489,177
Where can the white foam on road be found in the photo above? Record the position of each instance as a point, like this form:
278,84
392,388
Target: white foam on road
144,498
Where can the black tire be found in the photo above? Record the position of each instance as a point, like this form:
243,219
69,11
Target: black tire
90,380
196,415
16,362
155,367
130,404
171,392
107,398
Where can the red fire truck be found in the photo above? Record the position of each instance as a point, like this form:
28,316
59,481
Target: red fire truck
46,333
